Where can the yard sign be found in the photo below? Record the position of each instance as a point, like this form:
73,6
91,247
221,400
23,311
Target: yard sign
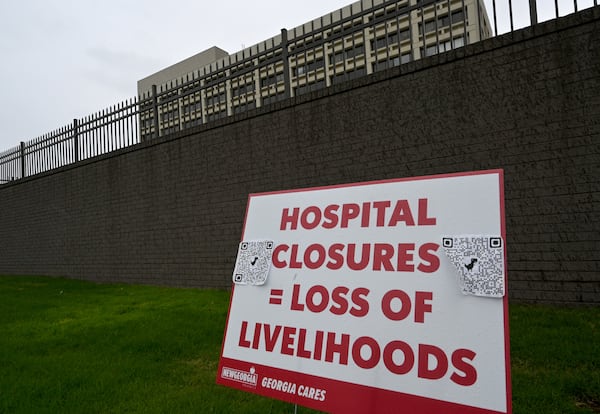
378,297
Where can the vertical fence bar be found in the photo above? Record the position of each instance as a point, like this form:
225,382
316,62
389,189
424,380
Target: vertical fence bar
34,158
422,31
109,130
495,17
130,131
124,131
103,132
465,23
85,136
478,10
228,105
533,12
63,153
437,35
117,127
46,156
386,35
94,136
75,140
56,147
510,11
410,35
120,126
22,159
451,22
305,64
155,111
137,122
125,125
89,137
54,139
343,39
113,128
38,159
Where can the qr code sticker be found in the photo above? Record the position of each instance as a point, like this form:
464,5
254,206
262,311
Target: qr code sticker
253,262
479,261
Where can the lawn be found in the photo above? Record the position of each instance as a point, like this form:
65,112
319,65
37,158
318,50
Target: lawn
69,346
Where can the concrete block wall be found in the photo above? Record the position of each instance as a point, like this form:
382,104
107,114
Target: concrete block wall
170,211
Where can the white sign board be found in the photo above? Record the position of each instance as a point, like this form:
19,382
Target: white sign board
379,295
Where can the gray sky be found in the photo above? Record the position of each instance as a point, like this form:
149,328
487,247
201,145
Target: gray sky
66,59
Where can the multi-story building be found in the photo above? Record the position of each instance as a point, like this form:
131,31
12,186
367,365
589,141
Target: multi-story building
357,40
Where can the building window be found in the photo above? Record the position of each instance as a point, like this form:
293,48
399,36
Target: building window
216,99
216,115
346,54
350,74
192,108
272,79
170,115
458,41
238,109
391,62
313,86
266,100
390,39
310,67
192,123
443,21
242,89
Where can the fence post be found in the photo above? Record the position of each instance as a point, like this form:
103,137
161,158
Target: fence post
155,111
22,159
75,140
533,12
286,64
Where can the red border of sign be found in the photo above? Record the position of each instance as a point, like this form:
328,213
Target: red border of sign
353,397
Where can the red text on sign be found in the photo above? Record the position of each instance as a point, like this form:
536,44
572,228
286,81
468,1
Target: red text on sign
401,257
368,214
318,299
396,305
426,361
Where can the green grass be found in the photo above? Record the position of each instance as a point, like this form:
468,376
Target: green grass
76,347
555,359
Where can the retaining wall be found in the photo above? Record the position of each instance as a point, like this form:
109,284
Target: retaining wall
170,211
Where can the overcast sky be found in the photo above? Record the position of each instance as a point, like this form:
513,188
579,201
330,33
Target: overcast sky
66,59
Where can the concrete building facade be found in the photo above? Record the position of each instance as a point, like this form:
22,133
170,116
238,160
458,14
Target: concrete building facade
360,39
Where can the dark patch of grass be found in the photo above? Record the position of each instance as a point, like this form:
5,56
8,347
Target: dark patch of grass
76,347
555,359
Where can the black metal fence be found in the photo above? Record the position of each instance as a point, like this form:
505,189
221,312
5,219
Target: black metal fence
103,132
303,60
